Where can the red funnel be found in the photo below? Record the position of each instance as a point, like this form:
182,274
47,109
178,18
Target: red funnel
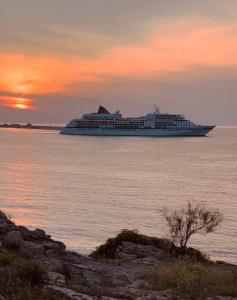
102,110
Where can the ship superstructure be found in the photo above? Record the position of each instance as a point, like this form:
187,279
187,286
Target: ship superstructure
104,123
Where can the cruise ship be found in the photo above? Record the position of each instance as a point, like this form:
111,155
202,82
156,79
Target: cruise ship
156,124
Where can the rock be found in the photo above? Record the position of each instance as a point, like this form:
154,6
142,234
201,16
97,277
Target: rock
12,240
92,278
71,294
39,234
29,235
222,298
3,216
33,248
109,298
148,261
55,246
5,227
5,224
56,278
130,251
85,267
25,233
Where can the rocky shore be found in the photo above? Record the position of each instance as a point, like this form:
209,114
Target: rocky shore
130,266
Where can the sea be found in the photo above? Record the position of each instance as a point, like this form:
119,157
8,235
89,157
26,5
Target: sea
83,190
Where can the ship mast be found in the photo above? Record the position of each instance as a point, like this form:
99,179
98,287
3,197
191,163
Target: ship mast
156,108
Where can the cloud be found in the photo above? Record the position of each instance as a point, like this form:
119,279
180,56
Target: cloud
175,48
169,49
29,75
17,102
86,28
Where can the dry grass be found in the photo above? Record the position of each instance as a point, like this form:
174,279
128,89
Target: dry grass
193,280
23,279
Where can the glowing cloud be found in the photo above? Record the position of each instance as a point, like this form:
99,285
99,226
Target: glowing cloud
26,75
17,103
173,48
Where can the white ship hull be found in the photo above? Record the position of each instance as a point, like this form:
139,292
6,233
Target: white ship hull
157,124
198,131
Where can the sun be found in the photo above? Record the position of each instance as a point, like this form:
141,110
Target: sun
21,106
23,103
17,103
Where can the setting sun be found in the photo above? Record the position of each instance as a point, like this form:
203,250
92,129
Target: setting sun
21,106
17,102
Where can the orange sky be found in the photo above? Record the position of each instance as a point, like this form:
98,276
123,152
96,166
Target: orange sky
172,48
87,57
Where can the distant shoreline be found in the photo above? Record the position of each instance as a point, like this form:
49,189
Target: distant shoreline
30,126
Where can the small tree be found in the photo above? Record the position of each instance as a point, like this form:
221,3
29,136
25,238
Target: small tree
189,220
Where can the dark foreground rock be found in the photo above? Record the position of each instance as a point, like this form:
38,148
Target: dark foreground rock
122,268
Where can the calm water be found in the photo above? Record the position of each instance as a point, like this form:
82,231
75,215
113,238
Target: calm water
83,190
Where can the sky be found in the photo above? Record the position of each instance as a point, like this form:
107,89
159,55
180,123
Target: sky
62,58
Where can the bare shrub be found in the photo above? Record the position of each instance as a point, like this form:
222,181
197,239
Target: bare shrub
189,220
